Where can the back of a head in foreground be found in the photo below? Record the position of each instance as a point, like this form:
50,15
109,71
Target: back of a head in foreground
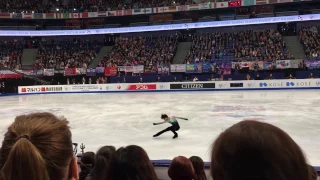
181,169
198,166
255,150
87,164
102,159
130,163
38,146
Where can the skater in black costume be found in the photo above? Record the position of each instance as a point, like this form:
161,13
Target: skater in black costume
173,121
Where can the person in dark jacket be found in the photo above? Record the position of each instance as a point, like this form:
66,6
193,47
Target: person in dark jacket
258,77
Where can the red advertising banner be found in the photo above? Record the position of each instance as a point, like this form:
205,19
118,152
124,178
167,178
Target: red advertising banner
70,71
137,87
10,76
6,74
110,71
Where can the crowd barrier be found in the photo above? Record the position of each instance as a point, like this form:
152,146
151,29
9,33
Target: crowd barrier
174,86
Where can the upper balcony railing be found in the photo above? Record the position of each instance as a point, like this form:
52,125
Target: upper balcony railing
104,11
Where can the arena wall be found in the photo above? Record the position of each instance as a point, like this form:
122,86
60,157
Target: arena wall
174,86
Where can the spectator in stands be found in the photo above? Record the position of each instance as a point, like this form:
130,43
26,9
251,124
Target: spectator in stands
130,163
290,76
258,77
181,169
221,77
270,77
102,158
38,146
140,80
311,76
198,166
2,86
257,150
86,165
248,77
175,79
195,79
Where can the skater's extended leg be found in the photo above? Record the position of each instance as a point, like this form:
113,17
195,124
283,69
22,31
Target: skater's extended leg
161,132
175,133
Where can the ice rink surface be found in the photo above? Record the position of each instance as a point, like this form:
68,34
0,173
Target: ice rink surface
122,119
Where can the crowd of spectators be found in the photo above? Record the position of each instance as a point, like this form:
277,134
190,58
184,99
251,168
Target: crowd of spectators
149,50
310,39
42,6
249,45
22,5
38,146
11,54
104,5
68,53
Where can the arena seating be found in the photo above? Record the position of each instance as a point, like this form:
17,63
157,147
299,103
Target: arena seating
72,53
41,6
141,50
11,53
265,45
310,40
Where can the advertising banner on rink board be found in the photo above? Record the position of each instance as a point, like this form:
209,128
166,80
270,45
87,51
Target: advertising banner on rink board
138,69
193,86
177,68
137,87
290,83
216,85
87,88
40,89
194,68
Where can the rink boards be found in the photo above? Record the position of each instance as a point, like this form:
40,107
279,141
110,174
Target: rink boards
174,86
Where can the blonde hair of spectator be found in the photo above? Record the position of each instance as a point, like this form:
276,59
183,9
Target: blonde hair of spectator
38,146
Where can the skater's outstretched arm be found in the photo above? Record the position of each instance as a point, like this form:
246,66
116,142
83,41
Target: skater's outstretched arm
181,118
165,121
